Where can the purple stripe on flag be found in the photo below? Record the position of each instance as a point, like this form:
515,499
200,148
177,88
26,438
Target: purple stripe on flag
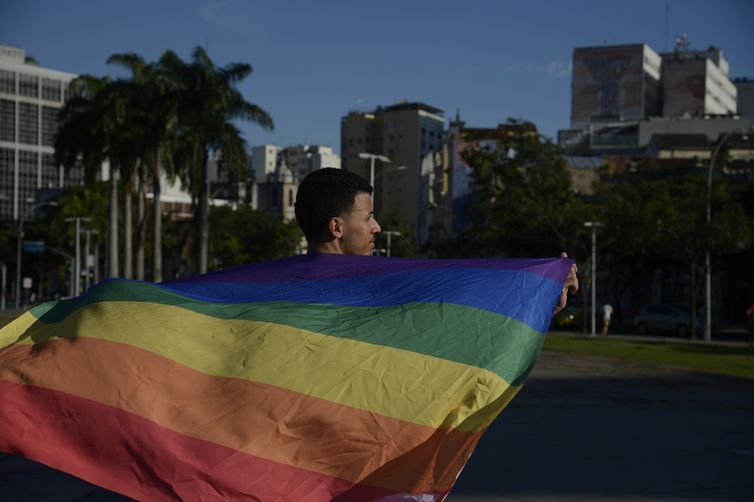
317,267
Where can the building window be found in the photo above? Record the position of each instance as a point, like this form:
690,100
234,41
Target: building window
49,125
28,85
27,181
51,89
290,198
28,130
7,82
7,120
7,167
50,171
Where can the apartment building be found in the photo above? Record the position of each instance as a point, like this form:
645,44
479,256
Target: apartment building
413,183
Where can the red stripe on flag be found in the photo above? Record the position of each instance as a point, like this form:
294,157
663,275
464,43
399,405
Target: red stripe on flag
138,458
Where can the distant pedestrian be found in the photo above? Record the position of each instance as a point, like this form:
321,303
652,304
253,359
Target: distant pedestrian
607,314
750,324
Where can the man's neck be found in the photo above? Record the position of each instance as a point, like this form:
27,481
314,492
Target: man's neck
331,247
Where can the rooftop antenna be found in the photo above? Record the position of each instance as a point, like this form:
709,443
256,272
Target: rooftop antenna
667,23
682,43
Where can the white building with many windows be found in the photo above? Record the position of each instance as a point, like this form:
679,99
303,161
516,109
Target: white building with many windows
30,99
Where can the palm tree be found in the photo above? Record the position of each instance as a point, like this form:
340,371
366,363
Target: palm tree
86,134
209,103
154,97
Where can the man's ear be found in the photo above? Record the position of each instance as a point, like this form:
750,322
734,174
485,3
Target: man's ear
335,226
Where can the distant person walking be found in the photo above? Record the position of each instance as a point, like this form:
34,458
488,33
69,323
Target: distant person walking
607,314
750,324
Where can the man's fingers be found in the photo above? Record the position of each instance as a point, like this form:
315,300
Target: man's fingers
571,285
572,281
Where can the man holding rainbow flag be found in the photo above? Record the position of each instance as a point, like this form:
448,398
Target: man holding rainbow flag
327,376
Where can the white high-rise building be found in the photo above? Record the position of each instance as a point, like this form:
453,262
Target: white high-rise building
30,98
697,83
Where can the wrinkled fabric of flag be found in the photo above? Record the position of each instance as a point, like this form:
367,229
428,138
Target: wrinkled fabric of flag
310,378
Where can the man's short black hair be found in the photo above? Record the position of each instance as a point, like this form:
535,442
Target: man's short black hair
324,194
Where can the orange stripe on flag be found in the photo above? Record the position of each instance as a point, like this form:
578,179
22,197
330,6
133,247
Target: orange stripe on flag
258,419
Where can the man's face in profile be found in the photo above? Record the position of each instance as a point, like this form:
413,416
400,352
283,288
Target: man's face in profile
359,227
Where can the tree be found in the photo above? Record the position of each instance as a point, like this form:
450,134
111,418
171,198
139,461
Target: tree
400,246
208,104
154,94
245,235
651,223
522,202
88,133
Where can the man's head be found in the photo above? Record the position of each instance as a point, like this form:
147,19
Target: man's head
334,210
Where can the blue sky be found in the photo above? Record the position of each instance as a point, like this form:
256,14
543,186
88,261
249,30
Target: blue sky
315,61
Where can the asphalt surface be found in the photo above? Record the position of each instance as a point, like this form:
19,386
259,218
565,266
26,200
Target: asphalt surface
590,428
582,428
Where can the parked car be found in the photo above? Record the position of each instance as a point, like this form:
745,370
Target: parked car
666,318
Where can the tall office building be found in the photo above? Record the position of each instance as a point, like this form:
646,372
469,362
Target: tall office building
697,83
615,83
30,99
414,182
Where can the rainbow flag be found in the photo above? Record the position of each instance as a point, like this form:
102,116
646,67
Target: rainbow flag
311,378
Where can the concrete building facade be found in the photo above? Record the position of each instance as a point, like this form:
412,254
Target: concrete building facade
745,98
277,172
697,83
30,98
618,82
413,183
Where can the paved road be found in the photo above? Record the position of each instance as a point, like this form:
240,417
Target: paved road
589,428
583,428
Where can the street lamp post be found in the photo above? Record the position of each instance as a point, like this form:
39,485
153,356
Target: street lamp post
389,234
77,265
88,232
372,158
594,225
19,244
707,261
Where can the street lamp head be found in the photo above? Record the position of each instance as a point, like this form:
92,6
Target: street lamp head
374,156
593,224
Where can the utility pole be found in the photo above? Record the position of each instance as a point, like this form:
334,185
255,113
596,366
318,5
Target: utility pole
594,225
389,234
19,255
372,158
77,264
87,254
